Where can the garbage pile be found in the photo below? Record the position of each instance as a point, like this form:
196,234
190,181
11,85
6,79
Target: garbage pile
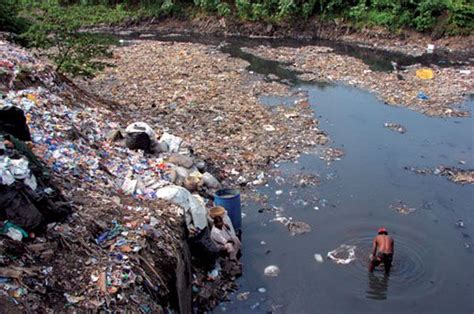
208,98
456,175
437,94
138,193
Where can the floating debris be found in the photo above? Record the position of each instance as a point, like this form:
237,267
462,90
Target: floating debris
318,258
331,154
243,296
434,92
298,227
456,175
395,127
344,254
402,208
272,271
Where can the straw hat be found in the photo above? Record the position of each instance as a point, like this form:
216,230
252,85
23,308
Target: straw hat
216,211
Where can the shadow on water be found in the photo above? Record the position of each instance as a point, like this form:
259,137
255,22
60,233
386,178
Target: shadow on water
377,286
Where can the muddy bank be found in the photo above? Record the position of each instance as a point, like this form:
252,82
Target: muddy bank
405,41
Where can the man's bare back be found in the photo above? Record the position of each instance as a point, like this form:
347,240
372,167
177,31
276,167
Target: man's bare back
382,251
383,243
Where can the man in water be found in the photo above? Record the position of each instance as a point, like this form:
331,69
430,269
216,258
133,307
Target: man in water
382,251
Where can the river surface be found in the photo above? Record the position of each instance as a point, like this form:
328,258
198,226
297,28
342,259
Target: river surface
432,269
434,256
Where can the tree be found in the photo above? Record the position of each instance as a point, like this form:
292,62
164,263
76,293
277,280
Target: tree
58,35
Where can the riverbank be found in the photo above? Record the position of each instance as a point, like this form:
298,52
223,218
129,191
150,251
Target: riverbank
405,41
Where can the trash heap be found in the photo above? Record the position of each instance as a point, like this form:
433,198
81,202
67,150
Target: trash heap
437,94
136,194
210,99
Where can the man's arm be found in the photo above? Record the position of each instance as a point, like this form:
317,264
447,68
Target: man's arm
374,247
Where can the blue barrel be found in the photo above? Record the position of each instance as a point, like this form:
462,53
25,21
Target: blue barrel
230,200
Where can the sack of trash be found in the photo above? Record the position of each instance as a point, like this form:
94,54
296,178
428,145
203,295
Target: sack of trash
139,135
27,198
13,121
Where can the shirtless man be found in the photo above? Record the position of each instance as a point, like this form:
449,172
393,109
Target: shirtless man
382,251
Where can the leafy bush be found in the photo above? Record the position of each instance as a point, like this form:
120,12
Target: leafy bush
223,9
58,35
9,19
244,8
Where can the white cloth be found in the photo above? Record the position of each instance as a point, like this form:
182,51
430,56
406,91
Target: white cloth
139,127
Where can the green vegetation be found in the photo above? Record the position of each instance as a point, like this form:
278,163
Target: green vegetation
53,25
10,21
55,30
454,16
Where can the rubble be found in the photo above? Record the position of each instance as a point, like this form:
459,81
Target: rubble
441,89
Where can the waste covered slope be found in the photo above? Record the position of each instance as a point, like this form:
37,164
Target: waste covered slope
209,98
113,251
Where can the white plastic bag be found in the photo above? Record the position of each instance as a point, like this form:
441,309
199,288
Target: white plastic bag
182,197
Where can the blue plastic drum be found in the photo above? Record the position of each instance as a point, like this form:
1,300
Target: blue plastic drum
230,200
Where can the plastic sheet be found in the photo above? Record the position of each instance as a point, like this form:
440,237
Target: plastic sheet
344,254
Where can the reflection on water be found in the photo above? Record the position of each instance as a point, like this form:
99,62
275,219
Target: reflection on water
377,286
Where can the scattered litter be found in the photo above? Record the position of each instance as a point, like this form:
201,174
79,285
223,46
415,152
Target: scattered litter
243,296
318,258
446,89
422,96
298,227
456,175
424,74
255,306
262,290
460,223
395,127
430,48
269,128
402,208
279,192
344,254
272,271
331,154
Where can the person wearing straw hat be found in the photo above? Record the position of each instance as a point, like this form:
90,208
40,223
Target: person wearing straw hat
222,212
382,251
223,238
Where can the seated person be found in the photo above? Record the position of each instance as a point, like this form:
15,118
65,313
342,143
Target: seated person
223,238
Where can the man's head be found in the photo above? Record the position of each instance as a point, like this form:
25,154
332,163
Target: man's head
218,222
382,231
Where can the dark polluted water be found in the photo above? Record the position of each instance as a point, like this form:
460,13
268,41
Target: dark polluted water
432,269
